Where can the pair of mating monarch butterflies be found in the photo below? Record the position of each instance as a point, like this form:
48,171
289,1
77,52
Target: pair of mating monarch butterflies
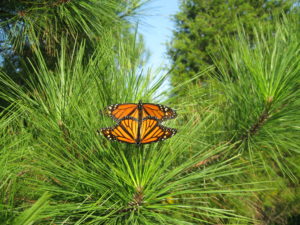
139,123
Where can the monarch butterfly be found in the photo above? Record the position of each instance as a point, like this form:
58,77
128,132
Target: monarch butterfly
140,111
134,131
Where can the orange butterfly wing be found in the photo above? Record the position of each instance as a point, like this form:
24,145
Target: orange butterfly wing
128,131
125,131
120,111
151,131
161,112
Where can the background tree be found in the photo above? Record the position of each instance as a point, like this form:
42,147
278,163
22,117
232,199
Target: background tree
255,102
200,23
26,26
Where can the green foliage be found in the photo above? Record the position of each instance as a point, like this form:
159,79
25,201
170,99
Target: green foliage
199,25
60,171
256,107
261,89
27,26
30,215
234,160
46,22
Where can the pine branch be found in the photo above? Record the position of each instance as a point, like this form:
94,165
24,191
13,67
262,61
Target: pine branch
257,125
252,131
207,161
136,202
210,159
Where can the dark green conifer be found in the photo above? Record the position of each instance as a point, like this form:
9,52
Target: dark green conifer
200,23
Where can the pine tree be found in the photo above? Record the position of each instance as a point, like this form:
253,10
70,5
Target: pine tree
29,25
200,23
54,167
254,106
235,154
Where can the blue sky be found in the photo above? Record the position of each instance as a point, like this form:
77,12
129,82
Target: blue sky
156,26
